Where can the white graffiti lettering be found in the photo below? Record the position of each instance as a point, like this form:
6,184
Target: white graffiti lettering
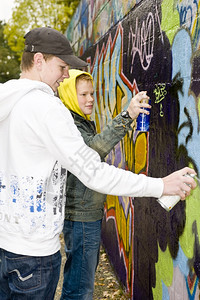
142,42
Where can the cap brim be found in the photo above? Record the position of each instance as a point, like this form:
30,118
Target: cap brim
73,61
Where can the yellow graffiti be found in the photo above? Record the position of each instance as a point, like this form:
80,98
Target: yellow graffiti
164,272
111,200
119,97
195,22
198,107
140,152
187,239
160,93
128,148
170,19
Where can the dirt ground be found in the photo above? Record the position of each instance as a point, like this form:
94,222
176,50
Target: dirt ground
106,284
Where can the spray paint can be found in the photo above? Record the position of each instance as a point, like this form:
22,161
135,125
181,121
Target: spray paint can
168,202
143,120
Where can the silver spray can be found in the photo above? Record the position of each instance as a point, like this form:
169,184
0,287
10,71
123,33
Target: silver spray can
168,202
143,120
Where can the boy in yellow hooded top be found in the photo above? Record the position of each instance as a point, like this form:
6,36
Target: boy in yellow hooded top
84,207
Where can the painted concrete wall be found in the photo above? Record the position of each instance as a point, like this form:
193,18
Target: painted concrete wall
148,45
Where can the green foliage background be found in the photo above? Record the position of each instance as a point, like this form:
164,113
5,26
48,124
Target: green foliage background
9,61
26,15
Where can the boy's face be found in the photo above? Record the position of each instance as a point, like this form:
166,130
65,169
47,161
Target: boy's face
54,71
85,95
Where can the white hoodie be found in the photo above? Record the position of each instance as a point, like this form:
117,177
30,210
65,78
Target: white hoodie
37,137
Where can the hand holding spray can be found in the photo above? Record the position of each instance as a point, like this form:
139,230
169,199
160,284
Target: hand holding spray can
143,120
168,202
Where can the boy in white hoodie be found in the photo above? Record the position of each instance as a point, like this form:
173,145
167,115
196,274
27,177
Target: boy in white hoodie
39,143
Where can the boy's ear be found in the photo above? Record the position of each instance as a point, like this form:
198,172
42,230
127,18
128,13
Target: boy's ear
38,60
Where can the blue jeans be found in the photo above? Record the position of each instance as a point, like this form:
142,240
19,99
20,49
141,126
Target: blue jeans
82,244
28,277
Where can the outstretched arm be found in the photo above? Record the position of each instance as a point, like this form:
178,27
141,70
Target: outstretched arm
113,132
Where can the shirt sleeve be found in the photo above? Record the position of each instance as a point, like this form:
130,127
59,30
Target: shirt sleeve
104,142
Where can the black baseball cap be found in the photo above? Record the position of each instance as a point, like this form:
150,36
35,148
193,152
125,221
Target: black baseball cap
50,41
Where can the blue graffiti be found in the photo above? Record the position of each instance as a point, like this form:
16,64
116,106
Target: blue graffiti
182,262
188,13
165,293
188,121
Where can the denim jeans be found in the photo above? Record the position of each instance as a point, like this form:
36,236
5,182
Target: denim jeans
82,244
28,277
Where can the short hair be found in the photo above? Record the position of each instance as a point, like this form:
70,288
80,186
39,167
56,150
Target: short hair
27,60
83,76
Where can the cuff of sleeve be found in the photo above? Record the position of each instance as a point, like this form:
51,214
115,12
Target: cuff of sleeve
125,122
155,187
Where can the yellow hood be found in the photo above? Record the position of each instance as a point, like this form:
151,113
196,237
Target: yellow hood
67,92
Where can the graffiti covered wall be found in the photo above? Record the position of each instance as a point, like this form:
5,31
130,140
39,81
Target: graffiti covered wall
148,45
